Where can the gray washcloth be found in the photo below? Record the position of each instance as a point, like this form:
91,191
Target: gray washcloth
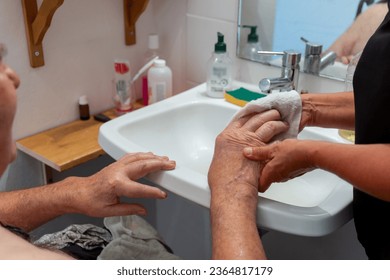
134,239
288,104
86,236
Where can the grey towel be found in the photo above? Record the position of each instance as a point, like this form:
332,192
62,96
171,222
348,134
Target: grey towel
86,236
134,239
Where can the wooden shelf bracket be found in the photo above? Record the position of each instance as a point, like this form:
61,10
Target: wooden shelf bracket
132,11
37,22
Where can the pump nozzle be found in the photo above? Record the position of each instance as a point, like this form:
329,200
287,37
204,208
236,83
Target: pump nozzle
220,46
252,37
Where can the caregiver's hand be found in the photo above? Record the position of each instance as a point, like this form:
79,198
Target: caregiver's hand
282,160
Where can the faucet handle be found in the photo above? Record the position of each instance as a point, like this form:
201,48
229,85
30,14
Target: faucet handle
291,58
270,53
312,48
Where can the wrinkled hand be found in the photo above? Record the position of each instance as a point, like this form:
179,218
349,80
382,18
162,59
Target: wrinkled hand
99,195
283,161
229,166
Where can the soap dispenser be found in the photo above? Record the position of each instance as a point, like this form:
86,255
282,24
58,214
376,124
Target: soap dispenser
159,81
351,71
252,46
219,70
350,134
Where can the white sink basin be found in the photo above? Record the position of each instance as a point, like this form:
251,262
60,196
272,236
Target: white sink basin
184,128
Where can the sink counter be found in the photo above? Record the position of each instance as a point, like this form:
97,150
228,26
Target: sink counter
184,127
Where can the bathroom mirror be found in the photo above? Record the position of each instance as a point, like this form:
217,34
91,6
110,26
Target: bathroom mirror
279,25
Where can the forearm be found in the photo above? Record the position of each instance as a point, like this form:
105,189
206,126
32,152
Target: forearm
366,167
30,208
331,110
234,183
233,223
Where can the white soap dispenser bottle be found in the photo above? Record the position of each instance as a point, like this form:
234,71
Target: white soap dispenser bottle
252,46
159,81
219,72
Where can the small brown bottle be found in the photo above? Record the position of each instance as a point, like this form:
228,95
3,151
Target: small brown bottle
84,108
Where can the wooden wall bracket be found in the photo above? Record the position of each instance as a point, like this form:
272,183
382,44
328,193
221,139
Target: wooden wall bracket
37,22
132,11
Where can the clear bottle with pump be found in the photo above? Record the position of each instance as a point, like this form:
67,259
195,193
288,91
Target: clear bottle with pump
152,52
219,70
253,46
350,134
351,71
159,81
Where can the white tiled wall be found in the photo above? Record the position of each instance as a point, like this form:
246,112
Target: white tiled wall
224,10
204,19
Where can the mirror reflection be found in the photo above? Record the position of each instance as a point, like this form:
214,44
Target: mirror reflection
312,27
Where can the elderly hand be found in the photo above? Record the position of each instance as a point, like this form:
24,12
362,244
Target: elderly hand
99,195
282,160
229,166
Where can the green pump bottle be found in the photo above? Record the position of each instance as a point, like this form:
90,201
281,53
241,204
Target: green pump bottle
219,70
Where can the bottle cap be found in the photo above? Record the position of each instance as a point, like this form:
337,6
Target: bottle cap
220,46
83,100
153,43
160,63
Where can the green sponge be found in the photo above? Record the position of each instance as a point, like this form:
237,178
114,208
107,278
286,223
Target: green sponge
242,96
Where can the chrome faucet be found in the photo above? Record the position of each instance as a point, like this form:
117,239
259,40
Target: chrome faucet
289,76
313,62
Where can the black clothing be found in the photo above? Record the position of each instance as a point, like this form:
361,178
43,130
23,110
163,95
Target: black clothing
79,253
372,103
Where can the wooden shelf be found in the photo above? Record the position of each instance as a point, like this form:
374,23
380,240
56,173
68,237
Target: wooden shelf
68,145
